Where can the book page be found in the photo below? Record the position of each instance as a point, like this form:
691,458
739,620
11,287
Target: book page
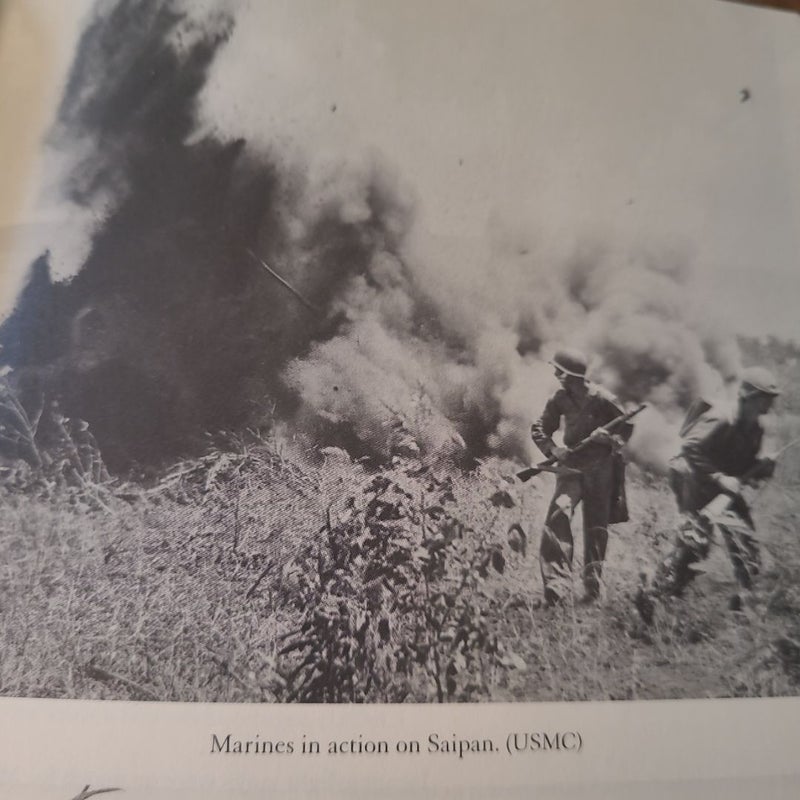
399,399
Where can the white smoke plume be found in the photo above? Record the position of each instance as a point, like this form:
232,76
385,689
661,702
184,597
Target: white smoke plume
421,343
476,366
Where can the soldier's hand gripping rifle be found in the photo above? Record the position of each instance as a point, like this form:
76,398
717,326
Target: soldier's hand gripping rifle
548,464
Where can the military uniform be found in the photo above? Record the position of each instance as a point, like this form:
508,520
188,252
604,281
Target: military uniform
717,448
594,478
715,445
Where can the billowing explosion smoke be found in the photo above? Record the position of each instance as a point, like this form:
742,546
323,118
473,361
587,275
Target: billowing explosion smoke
499,315
171,327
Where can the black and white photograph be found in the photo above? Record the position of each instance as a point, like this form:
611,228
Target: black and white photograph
391,352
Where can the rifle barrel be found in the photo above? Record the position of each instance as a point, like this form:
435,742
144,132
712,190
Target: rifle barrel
310,306
787,447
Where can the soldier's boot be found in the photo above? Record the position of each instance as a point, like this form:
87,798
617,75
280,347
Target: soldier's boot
684,574
745,604
644,600
674,573
591,587
595,542
671,579
551,597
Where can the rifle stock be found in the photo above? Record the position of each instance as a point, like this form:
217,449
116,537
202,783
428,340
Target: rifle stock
531,472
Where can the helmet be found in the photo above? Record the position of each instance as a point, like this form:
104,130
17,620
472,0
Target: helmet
572,362
758,380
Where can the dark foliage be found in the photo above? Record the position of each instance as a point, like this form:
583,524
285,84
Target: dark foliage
395,601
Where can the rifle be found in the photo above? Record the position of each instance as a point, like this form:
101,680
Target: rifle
283,282
548,465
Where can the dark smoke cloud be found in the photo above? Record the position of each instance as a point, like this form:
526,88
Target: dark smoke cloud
171,328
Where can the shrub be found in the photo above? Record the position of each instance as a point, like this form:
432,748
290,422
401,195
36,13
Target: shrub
394,604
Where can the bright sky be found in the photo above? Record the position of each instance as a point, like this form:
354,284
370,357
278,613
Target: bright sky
37,39
619,120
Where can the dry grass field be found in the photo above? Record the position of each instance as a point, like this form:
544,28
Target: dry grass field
251,575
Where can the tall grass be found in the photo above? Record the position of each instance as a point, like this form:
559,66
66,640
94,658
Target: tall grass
188,590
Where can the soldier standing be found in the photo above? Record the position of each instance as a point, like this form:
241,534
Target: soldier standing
593,477
719,455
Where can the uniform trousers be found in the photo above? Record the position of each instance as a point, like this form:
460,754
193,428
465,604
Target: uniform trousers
592,488
696,534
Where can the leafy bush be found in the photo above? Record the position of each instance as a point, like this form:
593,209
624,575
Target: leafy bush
395,605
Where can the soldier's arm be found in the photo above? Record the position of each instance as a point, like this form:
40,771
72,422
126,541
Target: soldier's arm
543,429
763,466
621,432
610,411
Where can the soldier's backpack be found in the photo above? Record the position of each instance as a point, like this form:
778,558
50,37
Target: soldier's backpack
693,413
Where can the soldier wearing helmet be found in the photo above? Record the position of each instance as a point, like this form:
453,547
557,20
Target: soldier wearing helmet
719,454
593,477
